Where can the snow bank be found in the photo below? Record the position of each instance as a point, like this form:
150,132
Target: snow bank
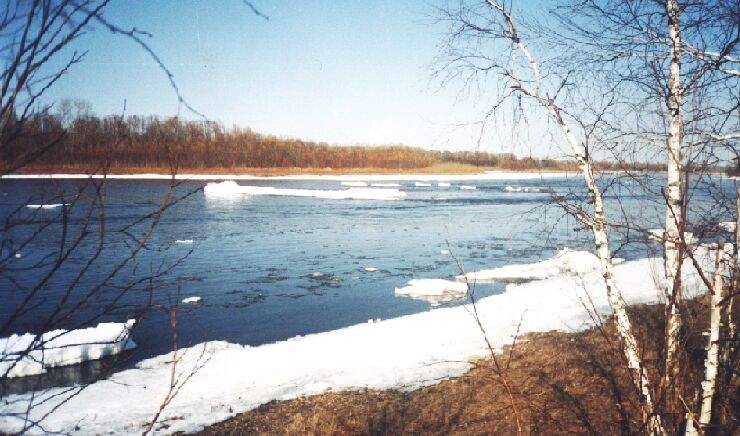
230,188
191,300
435,291
361,184
62,348
565,262
401,353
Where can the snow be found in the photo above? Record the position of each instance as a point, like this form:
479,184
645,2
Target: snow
522,189
565,262
435,291
727,226
658,234
45,206
401,353
422,184
467,187
30,354
361,184
443,185
230,188
183,241
191,300
488,175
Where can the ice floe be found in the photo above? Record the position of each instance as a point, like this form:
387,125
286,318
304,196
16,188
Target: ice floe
46,206
360,184
401,353
386,185
510,188
30,354
443,185
467,187
191,300
230,188
370,269
183,241
422,184
565,262
435,291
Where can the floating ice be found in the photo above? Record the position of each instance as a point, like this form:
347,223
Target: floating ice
30,354
386,185
522,189
191,300
422,184
435,291
46,206
443,185
370,269
565,262
444,252
317,274
401,353
183,241
230,189
467,187
354,183
728,226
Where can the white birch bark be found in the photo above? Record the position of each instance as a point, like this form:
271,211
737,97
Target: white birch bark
712,360
674,191
598,224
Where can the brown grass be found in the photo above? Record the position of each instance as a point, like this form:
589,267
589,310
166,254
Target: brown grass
564,383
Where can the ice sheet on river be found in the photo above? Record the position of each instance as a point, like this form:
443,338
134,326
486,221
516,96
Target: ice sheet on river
405,353
230,189
62,347
435,291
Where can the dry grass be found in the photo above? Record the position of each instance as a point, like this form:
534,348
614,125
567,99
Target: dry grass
564,383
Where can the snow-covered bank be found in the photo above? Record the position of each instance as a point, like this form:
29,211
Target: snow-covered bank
488,175
230,188
62,347
405,352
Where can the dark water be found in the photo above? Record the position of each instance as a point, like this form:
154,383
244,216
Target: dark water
254,260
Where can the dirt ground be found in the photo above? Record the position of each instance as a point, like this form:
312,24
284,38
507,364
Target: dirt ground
549,383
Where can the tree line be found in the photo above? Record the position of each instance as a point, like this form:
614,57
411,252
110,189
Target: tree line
84,140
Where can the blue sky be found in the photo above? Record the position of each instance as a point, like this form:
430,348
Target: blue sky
338,71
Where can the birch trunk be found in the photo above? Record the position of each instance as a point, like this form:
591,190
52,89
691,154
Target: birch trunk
674,193
712,360
599,224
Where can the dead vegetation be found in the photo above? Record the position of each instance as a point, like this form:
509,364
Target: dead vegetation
564,383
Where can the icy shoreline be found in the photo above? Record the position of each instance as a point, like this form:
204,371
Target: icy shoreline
404,353
488,175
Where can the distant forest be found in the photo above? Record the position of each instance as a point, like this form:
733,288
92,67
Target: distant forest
83,140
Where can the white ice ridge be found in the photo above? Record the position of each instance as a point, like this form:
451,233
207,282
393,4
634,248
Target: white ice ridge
565,262
62,348
358,183
435,291
510,188
488,175
230,189
45,206
400,353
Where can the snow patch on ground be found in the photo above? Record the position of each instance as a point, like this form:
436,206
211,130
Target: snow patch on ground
30,354
435,291
230,188
401,353
565,262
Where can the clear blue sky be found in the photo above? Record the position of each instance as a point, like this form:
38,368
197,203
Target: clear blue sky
338,71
